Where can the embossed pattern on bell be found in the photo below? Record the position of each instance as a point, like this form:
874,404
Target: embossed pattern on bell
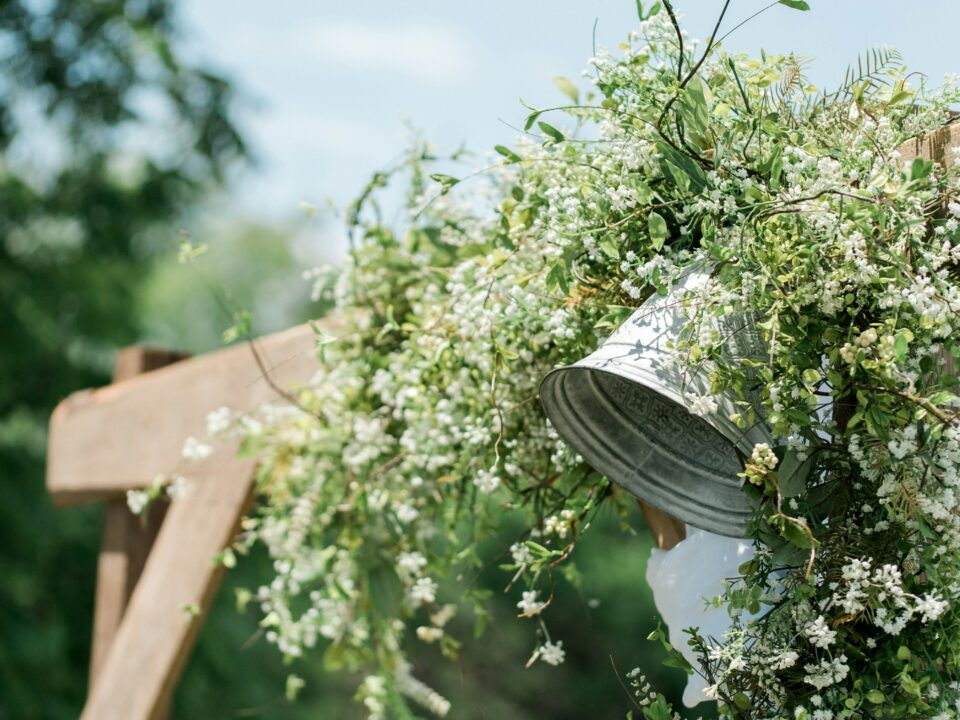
667,424
623,409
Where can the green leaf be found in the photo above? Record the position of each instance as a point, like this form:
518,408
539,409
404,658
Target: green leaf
567,87
899,97
795,4
320,336
920,168
531,119
657,227
674,658
795,531
244,597
385,589
552,132
686,174
659,710
240,328
557,279
507,153
609,248
294,686
793,473
694,112
446,182
902,343
875,696
911,686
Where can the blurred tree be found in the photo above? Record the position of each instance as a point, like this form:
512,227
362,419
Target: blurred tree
249,264
106,137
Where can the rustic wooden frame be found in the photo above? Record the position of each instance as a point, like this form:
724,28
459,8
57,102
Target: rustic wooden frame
156,577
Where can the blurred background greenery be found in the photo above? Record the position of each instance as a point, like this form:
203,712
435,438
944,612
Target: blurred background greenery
110,146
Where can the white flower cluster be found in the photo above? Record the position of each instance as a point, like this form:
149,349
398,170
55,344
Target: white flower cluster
881,591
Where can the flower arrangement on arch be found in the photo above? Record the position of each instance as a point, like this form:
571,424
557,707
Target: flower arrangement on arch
424,428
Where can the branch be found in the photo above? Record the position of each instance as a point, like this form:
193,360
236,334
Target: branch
693,71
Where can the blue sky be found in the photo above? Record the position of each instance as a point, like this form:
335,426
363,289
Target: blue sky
329,87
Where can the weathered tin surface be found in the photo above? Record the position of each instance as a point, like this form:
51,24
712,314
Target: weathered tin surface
623,409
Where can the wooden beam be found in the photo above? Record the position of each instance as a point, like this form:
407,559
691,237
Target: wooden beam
667,531
124,547
126,539
173,596
936,146
105,442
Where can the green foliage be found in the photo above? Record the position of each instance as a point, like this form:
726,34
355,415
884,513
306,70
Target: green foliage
77,233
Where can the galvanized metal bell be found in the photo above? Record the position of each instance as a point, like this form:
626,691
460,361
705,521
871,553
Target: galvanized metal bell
623,408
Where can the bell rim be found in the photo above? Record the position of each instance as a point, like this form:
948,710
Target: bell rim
656,492
743,439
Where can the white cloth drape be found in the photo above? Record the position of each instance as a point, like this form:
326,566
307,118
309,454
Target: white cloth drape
683,580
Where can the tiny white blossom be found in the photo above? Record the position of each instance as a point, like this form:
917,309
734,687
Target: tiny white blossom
406,513
177,487
411,563
552,653
819,633
423,592
137,500
193,449
521,554
530,604
486,481
429,634
218,421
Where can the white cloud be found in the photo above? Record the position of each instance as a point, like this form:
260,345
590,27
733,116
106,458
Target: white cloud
428,52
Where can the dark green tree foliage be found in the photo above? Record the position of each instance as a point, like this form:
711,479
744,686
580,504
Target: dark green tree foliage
106,138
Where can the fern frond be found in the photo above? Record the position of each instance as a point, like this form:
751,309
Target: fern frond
874,69
783,95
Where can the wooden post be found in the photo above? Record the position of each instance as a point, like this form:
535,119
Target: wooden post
667,531
126,539
173,596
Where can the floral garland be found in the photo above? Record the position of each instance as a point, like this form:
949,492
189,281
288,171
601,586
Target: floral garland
424,431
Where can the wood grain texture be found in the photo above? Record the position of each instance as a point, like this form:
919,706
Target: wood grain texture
107,441
934,146
159,629
126,539
124,547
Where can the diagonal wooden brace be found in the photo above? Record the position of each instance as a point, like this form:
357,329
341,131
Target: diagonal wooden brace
126,539
172,597
105,442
